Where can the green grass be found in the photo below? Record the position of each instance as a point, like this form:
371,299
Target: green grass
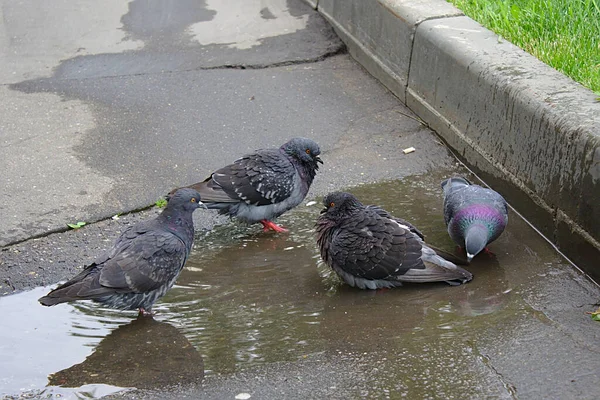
564,34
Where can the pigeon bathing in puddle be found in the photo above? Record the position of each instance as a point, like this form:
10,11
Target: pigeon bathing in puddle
370,249
475,216
143,263
263,185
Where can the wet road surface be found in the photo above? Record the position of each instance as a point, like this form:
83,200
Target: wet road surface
248,301
106,113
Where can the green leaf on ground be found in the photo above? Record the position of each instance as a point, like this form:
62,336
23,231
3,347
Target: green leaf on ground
77,225
160,203
595,315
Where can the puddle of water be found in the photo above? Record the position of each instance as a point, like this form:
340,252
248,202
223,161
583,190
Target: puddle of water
161,23
35,342
248,297
92,351
253,21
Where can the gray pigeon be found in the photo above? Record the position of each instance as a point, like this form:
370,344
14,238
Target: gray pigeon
475,216
370,249
263,185
143,263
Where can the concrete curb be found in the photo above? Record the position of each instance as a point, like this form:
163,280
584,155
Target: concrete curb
531,132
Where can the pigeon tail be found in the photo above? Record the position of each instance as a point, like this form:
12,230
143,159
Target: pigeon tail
476,238
212,194
453,258
82,287
59,296
437,269
52,301
436,273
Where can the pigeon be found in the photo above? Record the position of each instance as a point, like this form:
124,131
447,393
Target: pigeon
143,263
370,249
263,185
475,216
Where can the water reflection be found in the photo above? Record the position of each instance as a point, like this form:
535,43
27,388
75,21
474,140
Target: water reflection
250,298
358,319
144,353
490,294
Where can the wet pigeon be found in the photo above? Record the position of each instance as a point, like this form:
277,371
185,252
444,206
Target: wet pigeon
143,263
263,185
370,249
475,216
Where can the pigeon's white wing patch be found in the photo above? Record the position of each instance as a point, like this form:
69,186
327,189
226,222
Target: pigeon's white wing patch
400,225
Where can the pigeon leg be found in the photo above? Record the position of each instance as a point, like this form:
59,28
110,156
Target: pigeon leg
488,252
271,225
146,313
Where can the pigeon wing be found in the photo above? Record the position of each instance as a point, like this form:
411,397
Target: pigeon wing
454,200
263,178
125,239
144,263
383,213
374,247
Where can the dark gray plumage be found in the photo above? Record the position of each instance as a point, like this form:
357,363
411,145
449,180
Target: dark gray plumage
370,249
143,263
475,216
263,185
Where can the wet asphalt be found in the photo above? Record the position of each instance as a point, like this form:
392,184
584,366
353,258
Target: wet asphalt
106,116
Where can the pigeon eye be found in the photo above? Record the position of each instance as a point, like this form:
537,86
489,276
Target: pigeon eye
331,204
307,151
193,200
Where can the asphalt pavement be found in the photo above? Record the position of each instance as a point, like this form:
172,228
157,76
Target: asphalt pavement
108,106
119,110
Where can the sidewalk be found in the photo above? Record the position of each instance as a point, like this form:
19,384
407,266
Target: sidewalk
104,124
95,124
107,113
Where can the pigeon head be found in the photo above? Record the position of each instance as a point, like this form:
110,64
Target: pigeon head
304,150
185,199
476,239
455,181
339,205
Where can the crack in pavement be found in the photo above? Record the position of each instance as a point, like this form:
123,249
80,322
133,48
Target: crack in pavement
276,64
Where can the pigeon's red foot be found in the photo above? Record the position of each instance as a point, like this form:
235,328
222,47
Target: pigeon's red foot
488,252
272,225
146,313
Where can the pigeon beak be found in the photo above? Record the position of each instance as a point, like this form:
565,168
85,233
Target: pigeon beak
323,211
317,160
470,257
201,204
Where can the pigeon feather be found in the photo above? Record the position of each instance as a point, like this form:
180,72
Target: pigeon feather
370,249
263,185
475,216
143,263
